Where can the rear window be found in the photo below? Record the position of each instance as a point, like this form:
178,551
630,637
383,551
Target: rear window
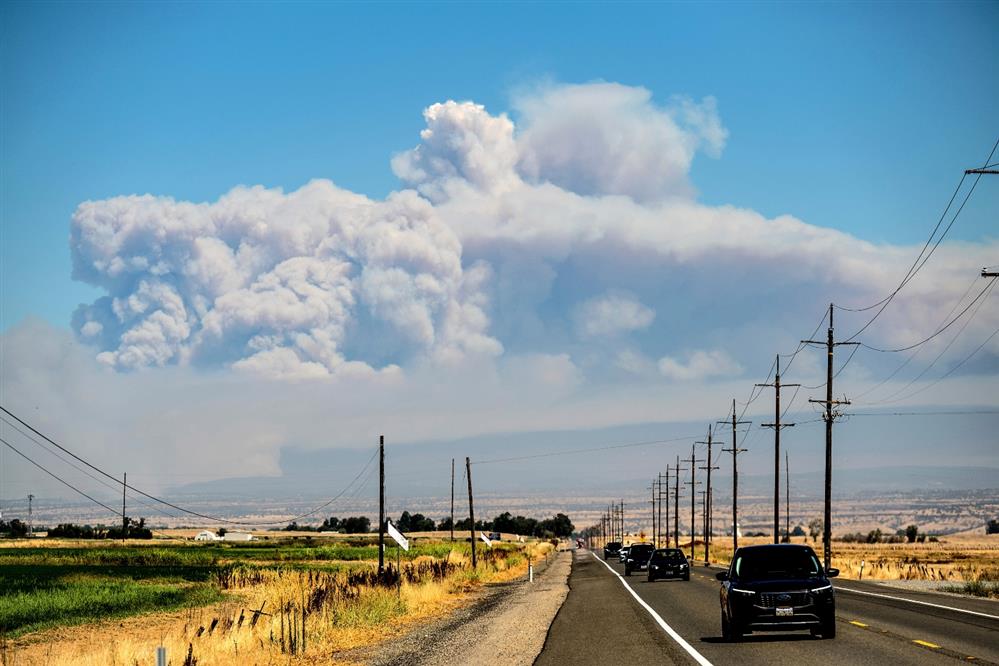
669,555
776,563
614,544
641,549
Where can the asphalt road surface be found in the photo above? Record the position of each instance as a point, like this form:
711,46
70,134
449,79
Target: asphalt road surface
610,619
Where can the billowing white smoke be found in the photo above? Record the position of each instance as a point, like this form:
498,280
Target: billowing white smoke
323,280
271,281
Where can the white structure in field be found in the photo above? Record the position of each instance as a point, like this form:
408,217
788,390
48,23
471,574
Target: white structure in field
205,535
237,536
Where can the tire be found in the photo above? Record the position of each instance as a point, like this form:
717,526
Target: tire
829,629
686,576
726,629
627,571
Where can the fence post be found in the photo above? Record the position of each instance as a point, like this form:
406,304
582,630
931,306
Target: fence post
161,659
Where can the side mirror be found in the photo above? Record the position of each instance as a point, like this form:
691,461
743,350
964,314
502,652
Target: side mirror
722,575
832,572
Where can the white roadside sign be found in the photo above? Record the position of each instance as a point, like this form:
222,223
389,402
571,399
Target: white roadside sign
482,535
398,536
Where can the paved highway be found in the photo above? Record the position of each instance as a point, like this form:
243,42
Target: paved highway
610,619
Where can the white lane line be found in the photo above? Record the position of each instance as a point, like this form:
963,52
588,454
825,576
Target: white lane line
698,657
913,601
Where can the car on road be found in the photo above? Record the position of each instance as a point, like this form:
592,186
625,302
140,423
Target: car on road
612,549
779,587
622,554
668,563
638,557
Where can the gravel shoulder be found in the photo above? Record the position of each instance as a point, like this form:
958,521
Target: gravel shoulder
507,625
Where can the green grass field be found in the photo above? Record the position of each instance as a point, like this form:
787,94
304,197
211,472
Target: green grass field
57,585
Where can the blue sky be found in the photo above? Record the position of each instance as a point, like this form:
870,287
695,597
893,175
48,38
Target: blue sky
857,117
651,202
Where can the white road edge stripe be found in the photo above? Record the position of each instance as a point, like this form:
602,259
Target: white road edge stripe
913,601
698,657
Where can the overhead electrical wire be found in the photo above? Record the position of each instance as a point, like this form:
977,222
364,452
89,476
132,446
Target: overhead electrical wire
162,501
566,452
938,356
920,260
916,352
58,478
940,330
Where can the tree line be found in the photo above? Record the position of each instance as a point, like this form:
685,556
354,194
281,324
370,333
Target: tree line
557,526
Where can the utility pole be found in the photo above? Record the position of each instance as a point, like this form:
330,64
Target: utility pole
471,507
623,534
787,498
708,508
676,504
452,499
776,425
735,451
693,498
124,518
668,468
653,513
829,417
381,504
659,520
31,522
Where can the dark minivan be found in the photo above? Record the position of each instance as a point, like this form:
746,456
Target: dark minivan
638,557
777,588
612,549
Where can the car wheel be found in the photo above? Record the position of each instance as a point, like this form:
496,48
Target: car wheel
726,629
686,576
627,571
829,628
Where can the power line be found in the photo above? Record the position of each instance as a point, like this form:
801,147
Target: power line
589,450
948,373
940,330
917,265
938,356
162,501
952,413
57,478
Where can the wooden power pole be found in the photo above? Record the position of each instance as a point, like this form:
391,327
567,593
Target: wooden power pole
735,451
708,508
777,425
829,416
471,507
452,499
381,504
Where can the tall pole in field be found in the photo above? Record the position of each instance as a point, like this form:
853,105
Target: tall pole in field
708,527
471,507
452,499
787,498
777,425
124,518
693,498
676,505
735,450
381,504
31,521
829,416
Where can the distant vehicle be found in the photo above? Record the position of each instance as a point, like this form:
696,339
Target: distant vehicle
495,536
623,554
612,549
777,588
668,563
638,557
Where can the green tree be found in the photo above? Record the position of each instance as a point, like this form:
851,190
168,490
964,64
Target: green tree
815,528
911,532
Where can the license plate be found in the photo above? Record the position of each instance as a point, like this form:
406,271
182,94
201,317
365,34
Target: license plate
668,572
785,612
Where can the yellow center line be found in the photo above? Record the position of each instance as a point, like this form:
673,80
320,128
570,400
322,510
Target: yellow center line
858,624
933,646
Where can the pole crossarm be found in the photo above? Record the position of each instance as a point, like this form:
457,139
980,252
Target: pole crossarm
969,172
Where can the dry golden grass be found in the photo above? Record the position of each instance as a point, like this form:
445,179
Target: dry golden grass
340,613
961,558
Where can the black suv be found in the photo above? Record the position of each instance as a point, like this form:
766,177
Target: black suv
638,557
777,588
668,563
612,549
